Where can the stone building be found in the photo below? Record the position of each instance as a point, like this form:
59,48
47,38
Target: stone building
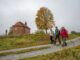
19,29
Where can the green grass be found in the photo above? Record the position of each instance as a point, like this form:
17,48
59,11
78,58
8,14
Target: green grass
66,54
23,51
71,36
11,42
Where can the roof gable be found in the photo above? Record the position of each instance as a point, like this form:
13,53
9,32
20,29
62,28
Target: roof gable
20,24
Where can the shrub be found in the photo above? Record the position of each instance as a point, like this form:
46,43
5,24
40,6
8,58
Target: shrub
73,32
40,32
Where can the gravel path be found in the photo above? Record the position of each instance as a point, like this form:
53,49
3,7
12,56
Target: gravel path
73,43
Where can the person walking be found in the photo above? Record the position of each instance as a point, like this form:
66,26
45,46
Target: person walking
51,38
64,35
57,35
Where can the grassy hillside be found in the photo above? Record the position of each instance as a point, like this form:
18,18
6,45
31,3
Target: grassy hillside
11,42
66,54
71,36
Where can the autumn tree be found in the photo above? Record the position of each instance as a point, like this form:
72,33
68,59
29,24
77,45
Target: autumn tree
44,19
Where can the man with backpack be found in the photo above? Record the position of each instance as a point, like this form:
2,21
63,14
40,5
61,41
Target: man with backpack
57,35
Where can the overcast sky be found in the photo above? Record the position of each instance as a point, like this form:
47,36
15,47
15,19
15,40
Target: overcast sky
66,13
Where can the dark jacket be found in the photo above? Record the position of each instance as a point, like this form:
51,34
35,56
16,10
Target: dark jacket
57,32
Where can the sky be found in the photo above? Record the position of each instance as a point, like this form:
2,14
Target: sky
66,13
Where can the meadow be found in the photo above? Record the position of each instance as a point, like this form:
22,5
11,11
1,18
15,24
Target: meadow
12,42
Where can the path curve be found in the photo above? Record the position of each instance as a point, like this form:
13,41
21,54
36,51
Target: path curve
73,43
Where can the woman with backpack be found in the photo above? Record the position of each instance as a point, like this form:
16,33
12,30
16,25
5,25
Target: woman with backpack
52,37
64,35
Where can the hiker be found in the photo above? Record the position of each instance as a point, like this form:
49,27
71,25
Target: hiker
51,37
64,35
57,35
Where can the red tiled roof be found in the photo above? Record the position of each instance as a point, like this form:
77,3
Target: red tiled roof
20,24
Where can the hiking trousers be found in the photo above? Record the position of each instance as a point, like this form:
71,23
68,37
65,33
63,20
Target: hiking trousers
64,41
57,37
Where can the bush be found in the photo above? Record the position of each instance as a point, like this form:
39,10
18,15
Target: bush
40,32
73,32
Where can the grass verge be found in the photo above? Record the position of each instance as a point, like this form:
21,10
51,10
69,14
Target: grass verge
66,54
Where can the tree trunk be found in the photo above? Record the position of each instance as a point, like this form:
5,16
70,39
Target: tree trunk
51,30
